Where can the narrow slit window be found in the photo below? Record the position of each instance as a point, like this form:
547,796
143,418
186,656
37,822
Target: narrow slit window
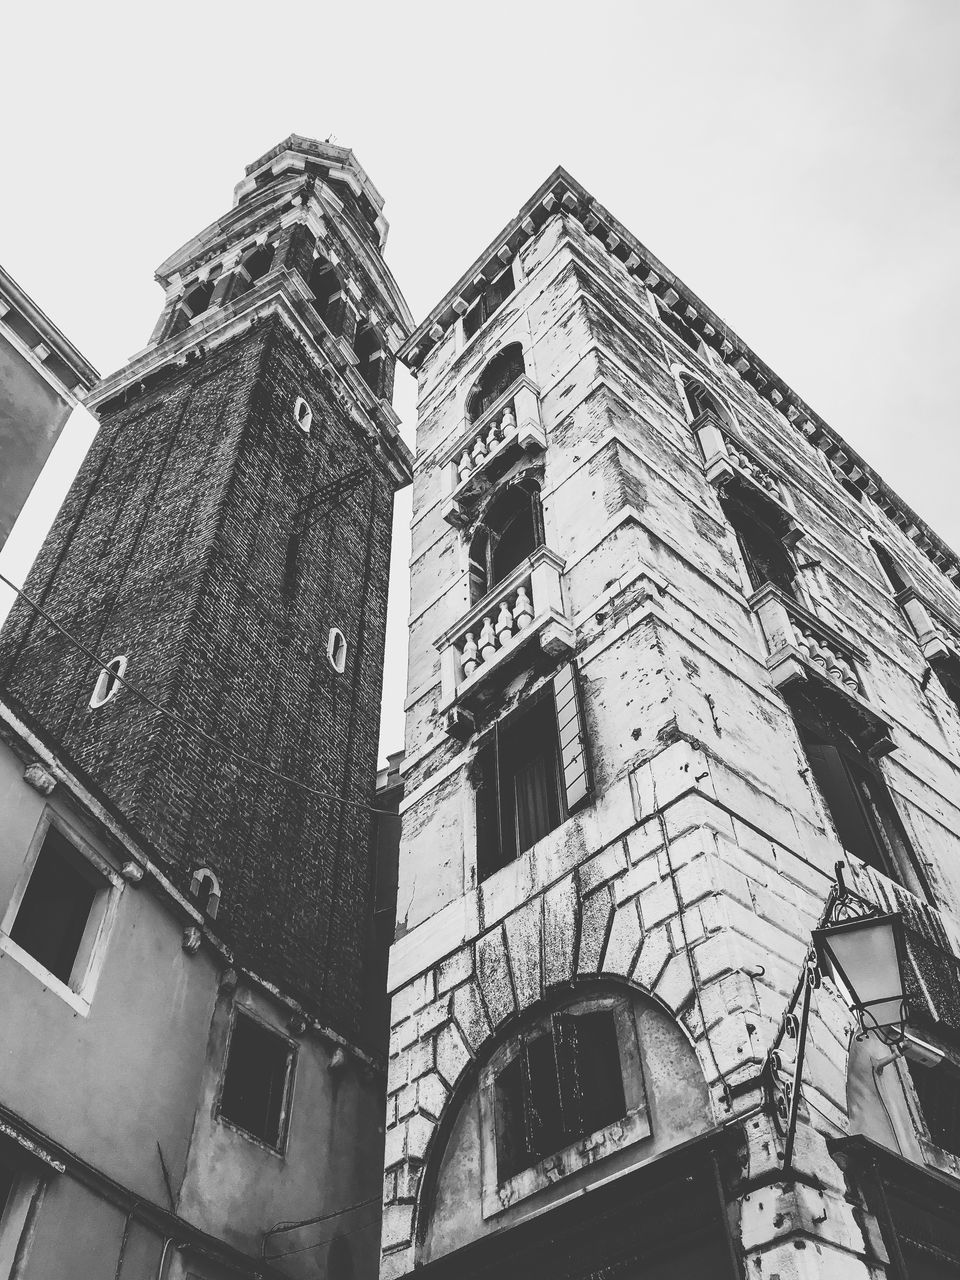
54,913
337,650
109,682
303,415
256,1080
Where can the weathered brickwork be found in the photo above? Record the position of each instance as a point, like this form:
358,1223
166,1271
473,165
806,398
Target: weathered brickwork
215,542
697,871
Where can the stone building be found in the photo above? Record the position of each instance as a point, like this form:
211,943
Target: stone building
190,1084
675,652
42,378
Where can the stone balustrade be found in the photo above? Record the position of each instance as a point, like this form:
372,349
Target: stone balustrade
798,642
510,426
527,604
725,457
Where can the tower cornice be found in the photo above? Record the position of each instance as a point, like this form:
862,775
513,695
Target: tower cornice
285,296
562,195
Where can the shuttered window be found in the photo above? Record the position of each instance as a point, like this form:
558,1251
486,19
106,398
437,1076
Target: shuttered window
530,774
565,1081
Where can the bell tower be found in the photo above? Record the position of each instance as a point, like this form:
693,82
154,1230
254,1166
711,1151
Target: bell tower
225,551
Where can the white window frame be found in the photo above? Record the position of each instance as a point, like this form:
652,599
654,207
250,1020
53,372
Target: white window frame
103,691
337,650
631,1127
302,415
79,991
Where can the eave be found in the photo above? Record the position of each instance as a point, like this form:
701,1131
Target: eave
562,193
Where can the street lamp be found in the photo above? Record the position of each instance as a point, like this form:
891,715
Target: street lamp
867,955
865,950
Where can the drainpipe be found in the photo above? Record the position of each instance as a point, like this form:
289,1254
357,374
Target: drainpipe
161,1269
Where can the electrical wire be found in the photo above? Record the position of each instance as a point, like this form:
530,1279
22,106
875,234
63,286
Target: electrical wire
202,734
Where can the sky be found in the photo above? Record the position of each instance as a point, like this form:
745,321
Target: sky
796,164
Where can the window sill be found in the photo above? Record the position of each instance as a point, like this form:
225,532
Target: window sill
79,1003
596,1146
278,1152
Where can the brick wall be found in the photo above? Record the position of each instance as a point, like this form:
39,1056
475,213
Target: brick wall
201,539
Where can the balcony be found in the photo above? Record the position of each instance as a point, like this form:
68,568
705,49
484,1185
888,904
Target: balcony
727,460
489,447
526,606
802,646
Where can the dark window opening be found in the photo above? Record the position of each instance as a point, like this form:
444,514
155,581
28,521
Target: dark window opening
891,570
511,530
855,794
492,298
938,1093
194,303
530,774
324,284
565,1082
765,556
497,377
949,673
370,355
255,1082
56,906
253,267
700,399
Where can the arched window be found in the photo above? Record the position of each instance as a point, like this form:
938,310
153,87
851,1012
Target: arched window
337,650
891,570
205,888
761,545
194,302
369,353
852,788
254,264
511,530
699,399
109,681
499,375
324,284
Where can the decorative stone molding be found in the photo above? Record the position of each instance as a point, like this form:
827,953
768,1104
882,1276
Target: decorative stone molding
191,939
799,643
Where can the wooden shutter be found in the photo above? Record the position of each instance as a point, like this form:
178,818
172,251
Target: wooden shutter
571,731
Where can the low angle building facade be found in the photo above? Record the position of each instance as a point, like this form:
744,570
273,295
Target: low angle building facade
667,870
676,652
192,1078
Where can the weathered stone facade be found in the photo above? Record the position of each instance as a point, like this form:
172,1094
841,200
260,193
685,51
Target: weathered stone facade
693,872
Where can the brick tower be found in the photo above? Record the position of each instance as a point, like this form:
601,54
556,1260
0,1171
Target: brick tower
225,549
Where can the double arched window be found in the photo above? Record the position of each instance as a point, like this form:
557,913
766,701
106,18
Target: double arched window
497,377
510,531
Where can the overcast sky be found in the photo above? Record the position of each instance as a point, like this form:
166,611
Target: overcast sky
796,164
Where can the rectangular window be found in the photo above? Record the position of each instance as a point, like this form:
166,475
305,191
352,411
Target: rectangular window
55,910
859,804
491,300
256,1080
565,1082
530,774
